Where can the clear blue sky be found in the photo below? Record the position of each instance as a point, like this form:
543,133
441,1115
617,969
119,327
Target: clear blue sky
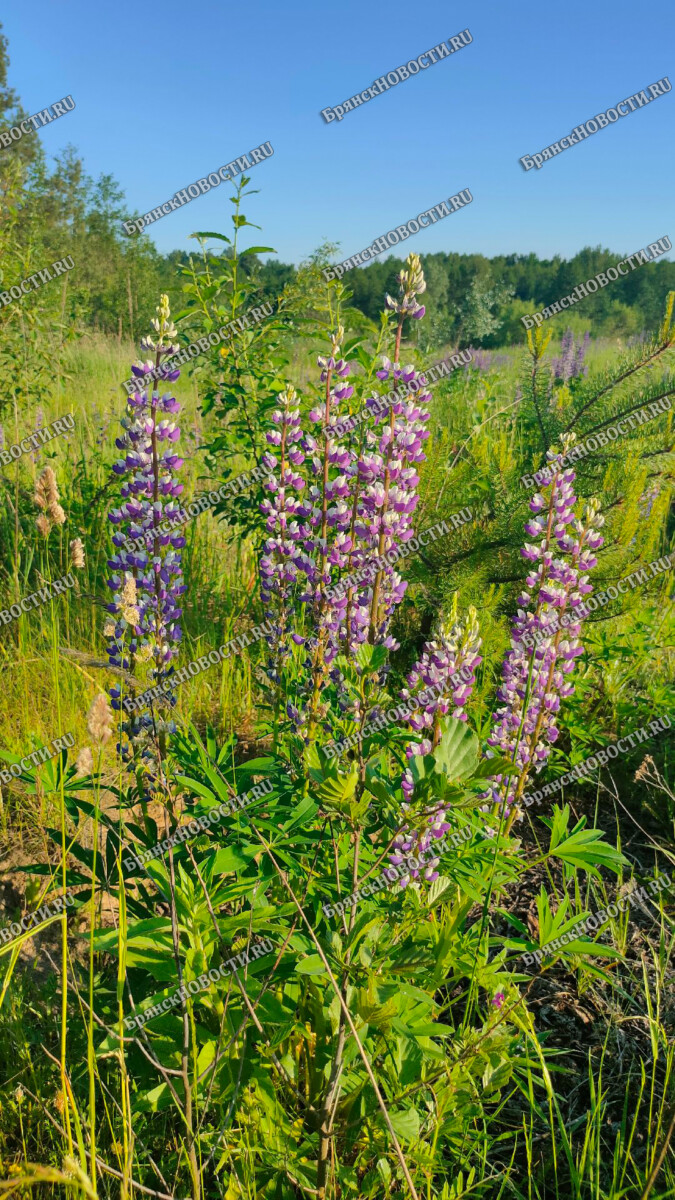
166,93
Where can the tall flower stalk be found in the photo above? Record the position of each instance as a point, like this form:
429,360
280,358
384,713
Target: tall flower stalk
349,506
147,581
545,641
439,685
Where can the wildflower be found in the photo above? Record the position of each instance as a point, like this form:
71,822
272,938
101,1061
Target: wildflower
77,553
411,284
85,762
100,720
571,364
535,681
146,580
341,506
441,683
498,999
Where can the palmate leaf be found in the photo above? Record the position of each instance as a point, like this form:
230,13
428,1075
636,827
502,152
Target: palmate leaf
336,793
378,786
552,924
371,658
582,848
494,766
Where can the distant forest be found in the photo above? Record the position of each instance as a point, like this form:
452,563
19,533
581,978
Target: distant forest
47,212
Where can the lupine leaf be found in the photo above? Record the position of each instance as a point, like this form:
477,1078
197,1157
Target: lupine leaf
457,752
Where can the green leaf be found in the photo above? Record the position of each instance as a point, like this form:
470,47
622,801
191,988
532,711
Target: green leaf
302,814
437,888
406,1124
221,237
494,766
371,658
384,1171
457,752
585,849
312,965
257,250
200,789
337,793
378,787
228,860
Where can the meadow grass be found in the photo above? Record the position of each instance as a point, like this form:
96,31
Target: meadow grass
597,1133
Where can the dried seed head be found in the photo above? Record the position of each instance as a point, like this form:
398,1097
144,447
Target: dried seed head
100,720
57,514
44,525
77,552
128,600
646,769
46,491
85,762
109,629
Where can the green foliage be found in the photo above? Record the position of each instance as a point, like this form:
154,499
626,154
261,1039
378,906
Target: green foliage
250,1083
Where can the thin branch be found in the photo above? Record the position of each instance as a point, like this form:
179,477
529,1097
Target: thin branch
615,383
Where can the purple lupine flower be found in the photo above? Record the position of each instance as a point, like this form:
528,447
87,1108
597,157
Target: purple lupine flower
481,360
385,488
571,364
384,484
351,506
646,501
646,504
535,680
283,560
439,684
308,515
147,583
637,339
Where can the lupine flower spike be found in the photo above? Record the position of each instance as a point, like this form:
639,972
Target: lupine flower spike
350,507
545,638
147,583
442,681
